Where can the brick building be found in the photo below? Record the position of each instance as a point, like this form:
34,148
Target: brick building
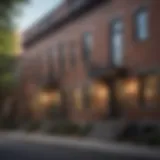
101,55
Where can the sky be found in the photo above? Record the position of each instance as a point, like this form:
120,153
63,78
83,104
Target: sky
35,10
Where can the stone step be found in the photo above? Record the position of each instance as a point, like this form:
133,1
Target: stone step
108,130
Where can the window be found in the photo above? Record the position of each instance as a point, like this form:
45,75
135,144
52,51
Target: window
87,46
117,42
72,54
142,24
61,57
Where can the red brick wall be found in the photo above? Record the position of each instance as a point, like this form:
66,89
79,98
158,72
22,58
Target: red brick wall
137,55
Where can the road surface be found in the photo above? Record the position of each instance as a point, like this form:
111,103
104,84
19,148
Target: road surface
24,150
16,150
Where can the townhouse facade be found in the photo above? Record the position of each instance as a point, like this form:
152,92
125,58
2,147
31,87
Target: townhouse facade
101,56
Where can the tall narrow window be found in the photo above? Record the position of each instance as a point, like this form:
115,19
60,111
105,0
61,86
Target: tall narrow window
61,57
87,46
141,18
117,42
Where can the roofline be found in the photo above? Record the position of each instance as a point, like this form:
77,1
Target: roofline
86,6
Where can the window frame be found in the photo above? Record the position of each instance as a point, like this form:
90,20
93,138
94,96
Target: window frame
87,51
137,13
111,31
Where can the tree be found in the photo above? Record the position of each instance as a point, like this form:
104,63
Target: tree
9,10
7,69
7,39
7,81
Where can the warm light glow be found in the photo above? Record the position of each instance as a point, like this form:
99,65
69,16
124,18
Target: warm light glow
50,98
131,87
151,87
102,92
149,93
100,95
44,98
78,98
56,98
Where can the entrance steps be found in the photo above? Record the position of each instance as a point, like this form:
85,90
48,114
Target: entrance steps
107,130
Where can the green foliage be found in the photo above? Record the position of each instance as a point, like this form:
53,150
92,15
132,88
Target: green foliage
146,135
7,69
8,10
33,126
7,41
84,130
8,124
53,112
69,128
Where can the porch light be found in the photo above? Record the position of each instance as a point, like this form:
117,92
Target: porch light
131,87
100,90
100,95
47,98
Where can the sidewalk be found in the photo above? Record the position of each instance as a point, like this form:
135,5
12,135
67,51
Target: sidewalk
82,143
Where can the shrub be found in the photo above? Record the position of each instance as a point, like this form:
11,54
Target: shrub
33,126
8,125
53,112
154,140
64,127
129,133
84,130
69,128
148,134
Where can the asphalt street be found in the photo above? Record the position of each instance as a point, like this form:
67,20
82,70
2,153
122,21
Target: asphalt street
16,150
21,150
